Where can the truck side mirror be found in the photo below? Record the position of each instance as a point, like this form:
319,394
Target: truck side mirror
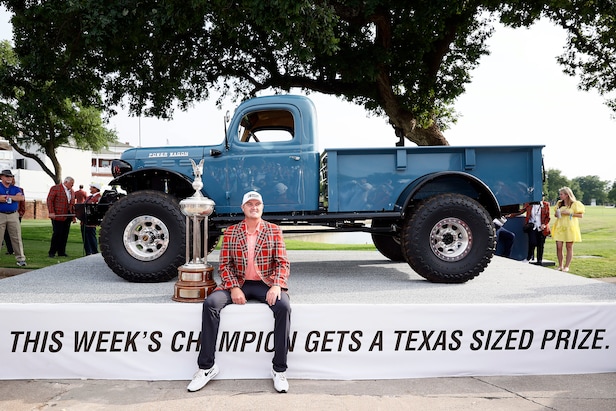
226,120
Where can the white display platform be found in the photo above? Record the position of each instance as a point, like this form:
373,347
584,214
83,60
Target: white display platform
355,316
160,341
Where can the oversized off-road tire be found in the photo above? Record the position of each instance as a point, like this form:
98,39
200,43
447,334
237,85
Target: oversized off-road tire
143,237
389,245
449,238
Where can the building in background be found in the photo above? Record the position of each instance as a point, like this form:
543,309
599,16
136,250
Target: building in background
84,166
101,161
6,155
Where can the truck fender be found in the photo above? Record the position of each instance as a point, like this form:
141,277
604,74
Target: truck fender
449,182
158,179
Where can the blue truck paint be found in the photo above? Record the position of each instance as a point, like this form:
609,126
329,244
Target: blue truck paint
272,146
355,185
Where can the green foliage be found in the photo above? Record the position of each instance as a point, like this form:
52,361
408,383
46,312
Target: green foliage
585,188
7,55
611,195
37,117
408,61
592,188
555,181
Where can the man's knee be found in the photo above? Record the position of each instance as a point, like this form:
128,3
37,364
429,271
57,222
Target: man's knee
216,301
284,304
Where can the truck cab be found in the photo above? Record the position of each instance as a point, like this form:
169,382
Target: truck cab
270,146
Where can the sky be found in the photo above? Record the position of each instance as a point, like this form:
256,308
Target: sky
518,96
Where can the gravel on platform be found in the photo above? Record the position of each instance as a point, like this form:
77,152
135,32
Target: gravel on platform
322,277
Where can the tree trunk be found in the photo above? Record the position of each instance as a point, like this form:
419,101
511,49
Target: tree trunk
404,121
51,154
431,136
405,127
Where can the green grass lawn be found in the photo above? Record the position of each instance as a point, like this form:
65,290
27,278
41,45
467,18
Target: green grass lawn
594,257
36,235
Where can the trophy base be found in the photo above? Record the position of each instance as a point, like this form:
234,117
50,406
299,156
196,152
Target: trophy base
194,283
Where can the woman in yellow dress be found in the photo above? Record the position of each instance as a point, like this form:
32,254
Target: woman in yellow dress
567,226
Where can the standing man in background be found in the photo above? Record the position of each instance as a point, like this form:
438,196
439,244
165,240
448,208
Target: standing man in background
60,207
10,196
88,231
21,210
80,195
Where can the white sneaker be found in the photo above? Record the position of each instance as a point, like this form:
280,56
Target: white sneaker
201,378
280,381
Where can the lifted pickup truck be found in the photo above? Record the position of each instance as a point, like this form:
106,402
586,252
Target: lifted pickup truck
429,206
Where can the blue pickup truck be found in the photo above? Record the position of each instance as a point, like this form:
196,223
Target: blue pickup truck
432,207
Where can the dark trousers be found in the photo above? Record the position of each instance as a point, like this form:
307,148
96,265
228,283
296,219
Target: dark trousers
253,290
90,243
536,239
59,237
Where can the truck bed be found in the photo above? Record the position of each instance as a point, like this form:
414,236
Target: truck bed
375,179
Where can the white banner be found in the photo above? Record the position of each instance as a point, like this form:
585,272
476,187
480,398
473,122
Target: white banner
161,341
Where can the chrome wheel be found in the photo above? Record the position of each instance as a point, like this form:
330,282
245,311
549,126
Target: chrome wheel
146,238
451,239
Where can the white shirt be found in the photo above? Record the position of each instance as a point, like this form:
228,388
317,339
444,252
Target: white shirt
67,191
535,216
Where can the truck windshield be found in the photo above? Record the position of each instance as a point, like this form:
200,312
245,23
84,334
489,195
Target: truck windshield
266,126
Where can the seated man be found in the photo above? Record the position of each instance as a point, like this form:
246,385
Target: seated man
253,266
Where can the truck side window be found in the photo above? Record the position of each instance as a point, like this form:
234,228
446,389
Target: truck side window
266,126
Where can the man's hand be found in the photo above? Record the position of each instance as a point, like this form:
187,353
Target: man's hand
273,294
237,296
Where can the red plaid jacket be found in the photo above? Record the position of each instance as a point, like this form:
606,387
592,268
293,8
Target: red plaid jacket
57,203
545,215
270,256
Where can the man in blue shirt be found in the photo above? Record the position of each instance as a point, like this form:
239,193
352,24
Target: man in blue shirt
10,196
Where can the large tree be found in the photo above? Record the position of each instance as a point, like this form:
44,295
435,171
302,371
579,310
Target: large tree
407,60
593,188
611,195
554,182
36,119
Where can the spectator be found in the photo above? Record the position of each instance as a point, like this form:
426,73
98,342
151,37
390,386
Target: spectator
21,210
537,215
88,230
566,229
253,265
80,195
10,196
60,207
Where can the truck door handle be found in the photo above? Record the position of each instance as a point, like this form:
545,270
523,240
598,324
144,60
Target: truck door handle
296,158
215,153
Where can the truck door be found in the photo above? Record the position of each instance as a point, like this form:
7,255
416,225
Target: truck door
266,156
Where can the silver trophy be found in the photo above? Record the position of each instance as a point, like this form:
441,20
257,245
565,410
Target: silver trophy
195,280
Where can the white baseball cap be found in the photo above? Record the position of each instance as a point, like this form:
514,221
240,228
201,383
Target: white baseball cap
96,185
252,195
